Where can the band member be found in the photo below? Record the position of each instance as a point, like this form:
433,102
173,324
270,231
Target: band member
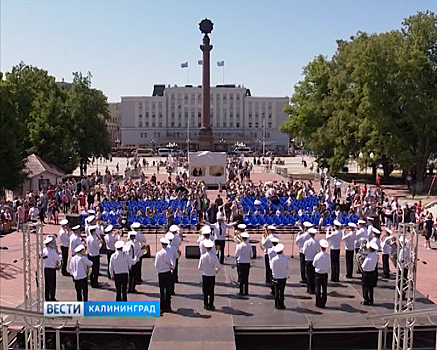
271,254
386,250
361,233
206,235
369,274
220,229
301,238
310,249
51,261
89,221
119,266
279,268
404,260
141,239
349,244
334,240
174,252
377,241
209,265
110,239
321,264
94,244
267,244
177,240
369,228
64,240
132,248
243,254
75,239
164,265
79,265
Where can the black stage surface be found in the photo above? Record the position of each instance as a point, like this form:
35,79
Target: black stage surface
192,327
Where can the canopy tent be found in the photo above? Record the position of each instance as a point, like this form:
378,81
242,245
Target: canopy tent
209,167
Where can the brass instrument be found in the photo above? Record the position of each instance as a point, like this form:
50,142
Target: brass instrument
362,253
179,253
237,236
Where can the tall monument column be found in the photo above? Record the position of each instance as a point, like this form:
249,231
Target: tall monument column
206,137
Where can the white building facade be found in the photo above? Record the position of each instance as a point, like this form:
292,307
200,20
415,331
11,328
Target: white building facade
173,115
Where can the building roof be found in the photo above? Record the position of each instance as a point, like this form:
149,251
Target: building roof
35,166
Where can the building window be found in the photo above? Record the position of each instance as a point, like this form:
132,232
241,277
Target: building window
268,135
172,124
147,124
153,124
250,125
238,125
224,124
147,114
257,125
270,125
159,134
160,124
231,124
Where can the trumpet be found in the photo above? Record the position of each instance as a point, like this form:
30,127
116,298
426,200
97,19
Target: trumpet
179,253
237,237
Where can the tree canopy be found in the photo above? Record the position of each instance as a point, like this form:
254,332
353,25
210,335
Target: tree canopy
377,94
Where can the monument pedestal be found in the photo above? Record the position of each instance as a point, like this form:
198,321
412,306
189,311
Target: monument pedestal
206,139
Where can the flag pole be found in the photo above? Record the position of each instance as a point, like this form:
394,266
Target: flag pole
187,75
223,74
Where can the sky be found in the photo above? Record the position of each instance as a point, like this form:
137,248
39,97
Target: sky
130,45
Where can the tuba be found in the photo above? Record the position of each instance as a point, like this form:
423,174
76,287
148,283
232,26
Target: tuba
362,253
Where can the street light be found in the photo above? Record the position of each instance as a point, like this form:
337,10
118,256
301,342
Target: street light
371,155
153,144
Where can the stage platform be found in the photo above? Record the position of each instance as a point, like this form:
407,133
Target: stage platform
192,327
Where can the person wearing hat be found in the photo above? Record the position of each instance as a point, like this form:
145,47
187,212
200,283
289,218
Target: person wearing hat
386,250
64,240
349,245
79,265
119,266
174,252
377,241
133,249
94,244
164,265
310,249
206,235
369,275
75,239
89,221
51,261
301,238
370,221
360,233
266,244
404,260
141,239
176,242
209,265
321,263
279,268
271,253
334,239
110,239
243,254
219,229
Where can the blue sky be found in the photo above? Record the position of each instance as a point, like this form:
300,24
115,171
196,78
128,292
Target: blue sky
130,45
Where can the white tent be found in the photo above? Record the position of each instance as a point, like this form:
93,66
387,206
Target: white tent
207,166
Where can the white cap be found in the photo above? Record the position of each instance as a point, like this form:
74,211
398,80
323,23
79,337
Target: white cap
79,248
274,239
136,225
208,243
164,240
77,227
132,233
279,248
241,226
219,216
271,227
312,231
244,235
48,240
307,224
388,231
64,222
119,245
351,224
169,236
337,223
324,243
374,246
257,202
376,231
361,221
109,228
174,228
205,230
90,218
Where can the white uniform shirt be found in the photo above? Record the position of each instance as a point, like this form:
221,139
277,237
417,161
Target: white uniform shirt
301,238
100,231
322,262
243,253
377,241
369,232
349,240
120,263
216,227
164,261
310,249
209,264
132,248
404,256
93,245
33,213
267,243
386,248
50,258
173,250
140,238
79,266
176,242
334,239
370,262
361,233
279,266
203,249
74,242
110,239
64,237
271,253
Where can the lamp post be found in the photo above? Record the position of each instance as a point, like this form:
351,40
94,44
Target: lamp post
153,145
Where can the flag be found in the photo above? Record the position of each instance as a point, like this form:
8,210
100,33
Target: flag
199,62
221,63
184,64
